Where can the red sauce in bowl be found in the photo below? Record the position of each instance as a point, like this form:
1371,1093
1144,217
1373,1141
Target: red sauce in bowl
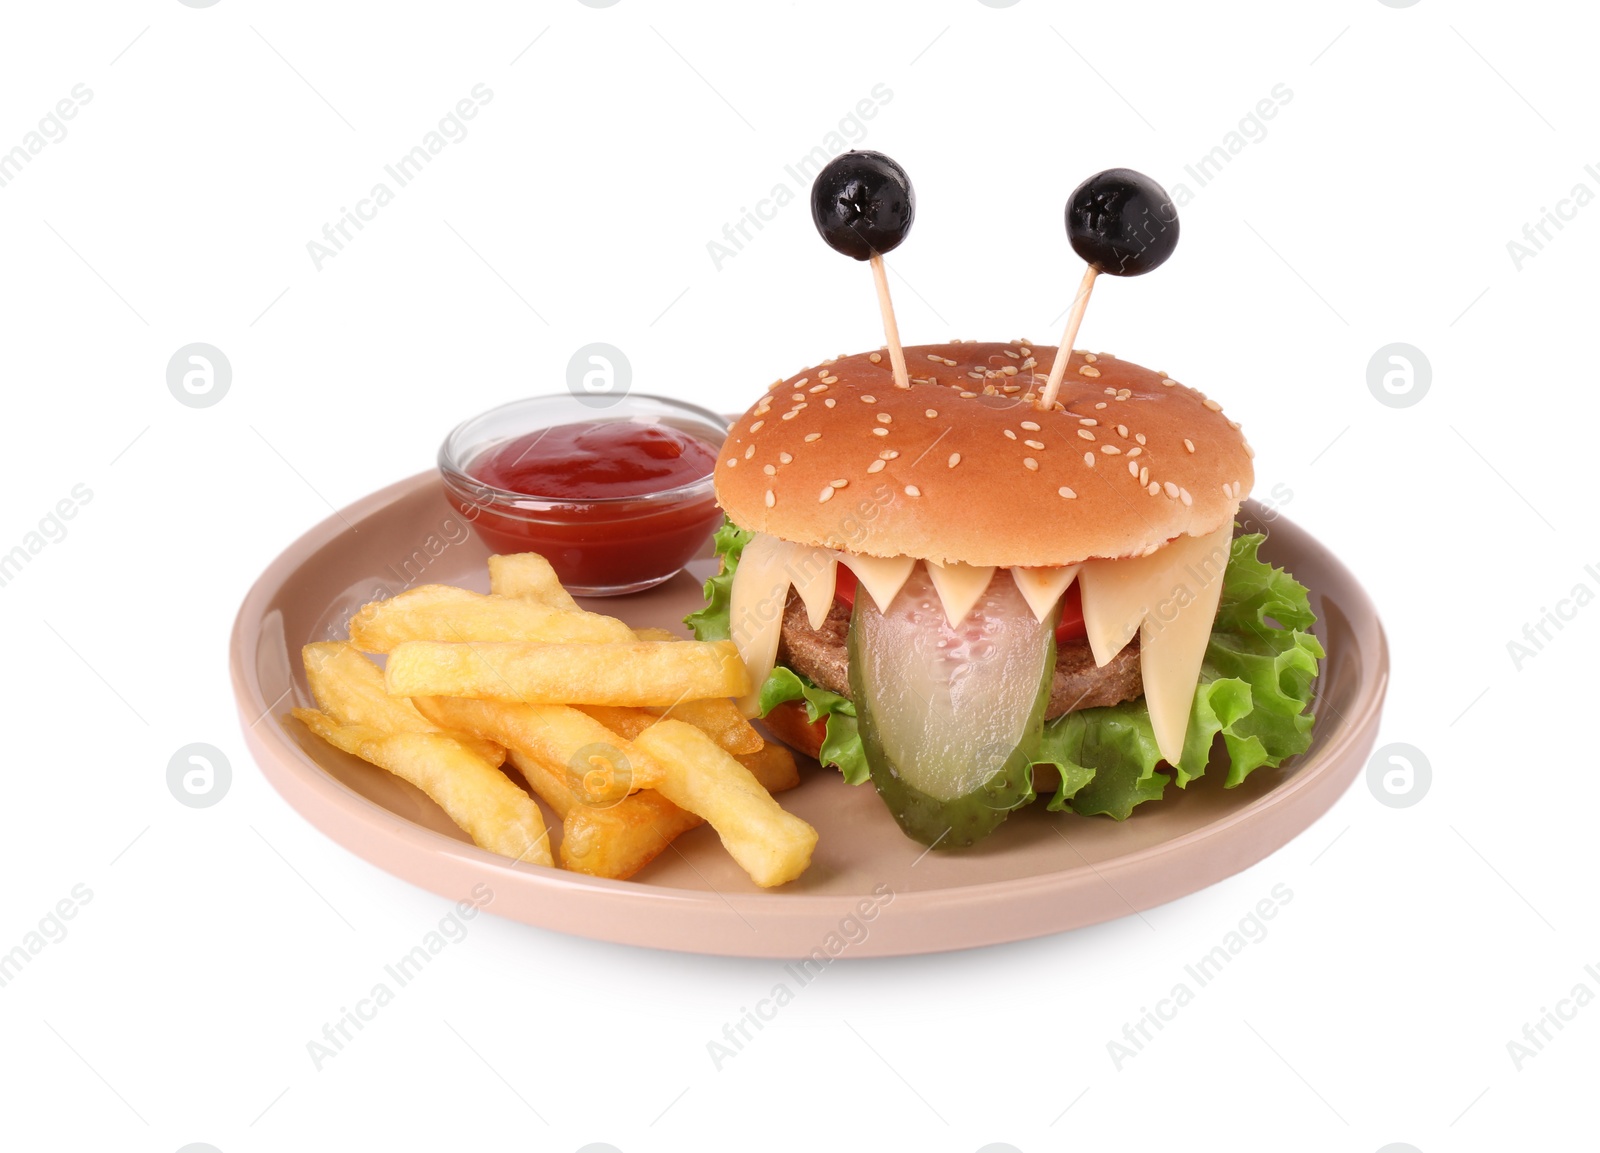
614,506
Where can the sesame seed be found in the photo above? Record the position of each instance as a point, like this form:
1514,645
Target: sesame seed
876,466
1135,451
875,358
1029,463
771,500
1088,370
884,418
1088,421
1248,451
829,401
1183,495
790,415
827,495
798,396
955,459
784,458
830,380
818,388
888,454
750,452
1013,355
1009,369
880,432
755,426
1034,443
1144,475
1009,435
769,469
731,461
1066,492
813,436
1139,436
968,395
1110,450
1110,391
1171,489
913,490
1154,488
1090,357
869,399
1102,404
936,358
931,412
1026,351
838,483
1124,393
1085,434
1211,404
1031,426
1122,431
1188,444
1168,381
1133,468
1227,490
1088,459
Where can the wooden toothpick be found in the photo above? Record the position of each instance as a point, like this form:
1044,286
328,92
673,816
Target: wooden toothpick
1058,370
891,331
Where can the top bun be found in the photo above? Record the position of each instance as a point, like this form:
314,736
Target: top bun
962,467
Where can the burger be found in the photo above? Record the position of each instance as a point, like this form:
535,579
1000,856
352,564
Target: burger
972,601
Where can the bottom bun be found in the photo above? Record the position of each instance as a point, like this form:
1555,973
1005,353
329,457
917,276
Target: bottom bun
789,724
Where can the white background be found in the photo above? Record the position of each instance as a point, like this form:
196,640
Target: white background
1377,208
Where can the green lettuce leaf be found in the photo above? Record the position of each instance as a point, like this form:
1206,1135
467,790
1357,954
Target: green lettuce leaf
1255,691
711,622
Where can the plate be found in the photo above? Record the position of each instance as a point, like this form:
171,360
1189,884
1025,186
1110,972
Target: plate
870,892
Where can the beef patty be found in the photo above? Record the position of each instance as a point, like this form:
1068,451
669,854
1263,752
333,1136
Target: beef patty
821,656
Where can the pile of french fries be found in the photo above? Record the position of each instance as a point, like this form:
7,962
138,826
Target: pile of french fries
631,737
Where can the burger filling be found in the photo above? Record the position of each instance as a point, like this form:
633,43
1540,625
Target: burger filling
1154,658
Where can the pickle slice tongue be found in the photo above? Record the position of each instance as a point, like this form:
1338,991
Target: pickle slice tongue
950,716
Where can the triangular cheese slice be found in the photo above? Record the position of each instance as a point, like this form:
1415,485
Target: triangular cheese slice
1043,587
815,572
1117,594
1173,639
755,609
880,576
959,586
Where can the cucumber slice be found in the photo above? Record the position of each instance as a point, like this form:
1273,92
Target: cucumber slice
950,718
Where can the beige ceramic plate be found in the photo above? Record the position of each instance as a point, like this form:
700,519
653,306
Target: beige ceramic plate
1040,873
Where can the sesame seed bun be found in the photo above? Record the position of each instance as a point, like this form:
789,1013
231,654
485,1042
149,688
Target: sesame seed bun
962,467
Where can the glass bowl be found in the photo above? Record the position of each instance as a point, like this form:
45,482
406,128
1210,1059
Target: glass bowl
598,546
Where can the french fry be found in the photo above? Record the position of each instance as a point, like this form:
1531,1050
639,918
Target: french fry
429,614
773,765
653,634
719,718
635,673
619,840
478,797
529,575
772,845
348,686
561,738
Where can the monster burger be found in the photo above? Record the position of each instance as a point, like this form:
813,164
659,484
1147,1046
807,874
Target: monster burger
957,594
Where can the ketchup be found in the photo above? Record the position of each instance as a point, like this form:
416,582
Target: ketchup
597,500
596,460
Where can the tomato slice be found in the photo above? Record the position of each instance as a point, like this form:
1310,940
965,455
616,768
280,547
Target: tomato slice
1070,627
844,586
